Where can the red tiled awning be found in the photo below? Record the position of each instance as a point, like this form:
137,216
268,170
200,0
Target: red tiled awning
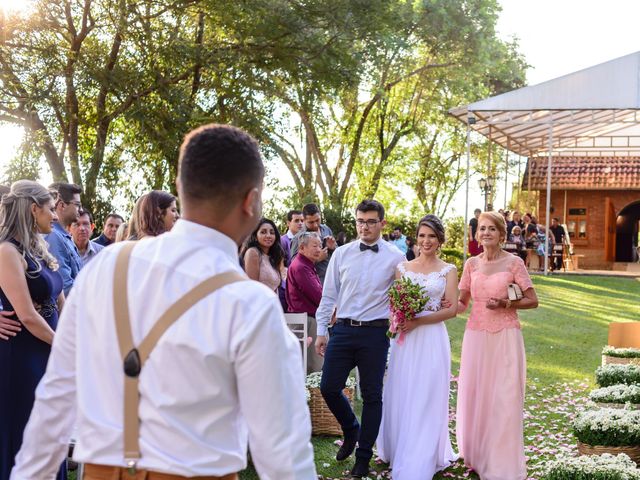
584,173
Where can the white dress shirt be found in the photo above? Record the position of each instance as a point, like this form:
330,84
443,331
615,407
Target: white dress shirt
357,283
228,372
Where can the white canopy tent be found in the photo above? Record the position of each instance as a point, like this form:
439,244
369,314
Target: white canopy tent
592,112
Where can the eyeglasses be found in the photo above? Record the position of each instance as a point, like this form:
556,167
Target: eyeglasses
368,223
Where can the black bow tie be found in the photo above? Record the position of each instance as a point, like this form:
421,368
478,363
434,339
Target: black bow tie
364,246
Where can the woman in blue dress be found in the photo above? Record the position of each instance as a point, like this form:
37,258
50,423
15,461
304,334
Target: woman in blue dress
31,289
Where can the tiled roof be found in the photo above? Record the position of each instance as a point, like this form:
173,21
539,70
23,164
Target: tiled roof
584,173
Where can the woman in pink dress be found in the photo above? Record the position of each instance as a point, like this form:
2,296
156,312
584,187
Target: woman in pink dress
493,365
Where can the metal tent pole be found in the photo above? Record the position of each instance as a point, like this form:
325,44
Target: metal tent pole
465,244
546,247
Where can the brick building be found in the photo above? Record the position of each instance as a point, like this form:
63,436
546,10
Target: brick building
598,198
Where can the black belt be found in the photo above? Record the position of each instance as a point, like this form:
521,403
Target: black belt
357,323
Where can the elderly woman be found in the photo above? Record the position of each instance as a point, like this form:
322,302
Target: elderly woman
491,385
31,288
516,237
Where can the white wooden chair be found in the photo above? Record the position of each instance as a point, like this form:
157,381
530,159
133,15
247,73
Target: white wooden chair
297,322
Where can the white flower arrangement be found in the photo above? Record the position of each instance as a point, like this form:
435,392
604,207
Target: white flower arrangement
612,374
620,393
592,467
313,380
608,427
621,352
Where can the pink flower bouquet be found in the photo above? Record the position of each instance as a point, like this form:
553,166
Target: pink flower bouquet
406,299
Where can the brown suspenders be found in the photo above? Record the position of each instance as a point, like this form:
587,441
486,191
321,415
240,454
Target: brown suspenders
134,357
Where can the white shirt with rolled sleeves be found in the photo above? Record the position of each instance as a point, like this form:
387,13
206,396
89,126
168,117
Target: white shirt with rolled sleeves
228,372
357,283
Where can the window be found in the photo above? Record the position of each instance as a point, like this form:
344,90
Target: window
577,223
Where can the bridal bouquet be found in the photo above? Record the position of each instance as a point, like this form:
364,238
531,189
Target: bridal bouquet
406,298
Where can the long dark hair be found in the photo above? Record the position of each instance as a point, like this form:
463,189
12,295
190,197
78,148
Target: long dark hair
147,220
276,254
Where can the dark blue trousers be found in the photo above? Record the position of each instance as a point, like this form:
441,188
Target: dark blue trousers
365,348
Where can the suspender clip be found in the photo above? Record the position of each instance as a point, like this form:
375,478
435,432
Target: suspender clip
132,364
132,467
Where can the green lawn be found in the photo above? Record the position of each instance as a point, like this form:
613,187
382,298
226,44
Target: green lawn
563,338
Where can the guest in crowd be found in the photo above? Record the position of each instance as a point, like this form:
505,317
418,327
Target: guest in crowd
122,233
545,245
341,239
357,283
399,240
412,249
313,223
81,231
304,290
516,220
111,224
154,214
532,242
517,238
295,220
61,244
30,286
474,247
491,384
557,231
225,374
263,256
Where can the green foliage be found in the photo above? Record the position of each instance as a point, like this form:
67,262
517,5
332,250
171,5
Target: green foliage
607,375
610,427
621,352
453,256
592,467
454,232
340,221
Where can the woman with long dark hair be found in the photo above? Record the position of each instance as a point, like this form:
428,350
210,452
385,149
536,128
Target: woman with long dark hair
154,214
31,288
263,255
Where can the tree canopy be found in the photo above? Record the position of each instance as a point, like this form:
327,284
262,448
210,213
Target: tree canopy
348,97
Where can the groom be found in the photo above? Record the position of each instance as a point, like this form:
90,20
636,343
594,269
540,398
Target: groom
356,284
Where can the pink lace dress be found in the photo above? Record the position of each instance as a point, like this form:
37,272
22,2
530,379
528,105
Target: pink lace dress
492,373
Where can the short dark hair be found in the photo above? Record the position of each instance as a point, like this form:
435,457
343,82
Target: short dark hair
397,227
556,219
219,162
86,212
113,215
371,206
310,209
65,191
291,213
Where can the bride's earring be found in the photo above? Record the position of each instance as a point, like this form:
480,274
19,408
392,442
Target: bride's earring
34,227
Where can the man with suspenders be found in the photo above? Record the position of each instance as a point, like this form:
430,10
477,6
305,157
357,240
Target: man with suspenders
172,368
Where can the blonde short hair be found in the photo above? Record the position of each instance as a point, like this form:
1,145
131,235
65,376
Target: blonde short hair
498,220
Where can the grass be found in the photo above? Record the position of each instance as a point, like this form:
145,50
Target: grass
564,337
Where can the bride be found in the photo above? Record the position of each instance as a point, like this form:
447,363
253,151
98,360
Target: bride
414,433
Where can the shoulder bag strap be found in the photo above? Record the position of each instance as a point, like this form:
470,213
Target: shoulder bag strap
134,358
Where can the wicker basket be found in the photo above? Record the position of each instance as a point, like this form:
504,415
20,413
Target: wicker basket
632,451
634,406
607,360
322,420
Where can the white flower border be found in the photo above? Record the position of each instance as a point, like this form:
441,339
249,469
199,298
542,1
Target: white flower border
595,464
608,419
313,380
621,352
620,393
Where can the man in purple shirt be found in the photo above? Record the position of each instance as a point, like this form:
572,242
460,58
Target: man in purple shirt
304,290
295,220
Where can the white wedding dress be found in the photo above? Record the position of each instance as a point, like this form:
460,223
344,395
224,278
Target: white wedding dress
414,432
